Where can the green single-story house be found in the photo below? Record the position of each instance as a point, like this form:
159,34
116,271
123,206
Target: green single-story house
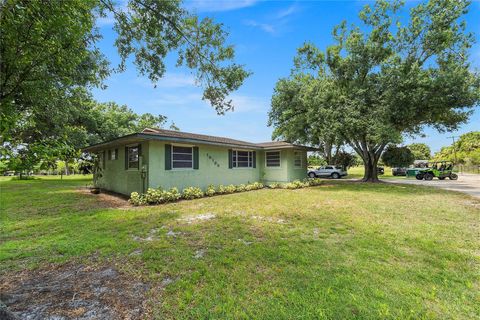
164,158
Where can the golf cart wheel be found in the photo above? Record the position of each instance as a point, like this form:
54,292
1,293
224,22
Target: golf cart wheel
453,176
441,178
428,176
335,175
312,175
419,176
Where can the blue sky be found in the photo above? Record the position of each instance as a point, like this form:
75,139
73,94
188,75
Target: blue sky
266,35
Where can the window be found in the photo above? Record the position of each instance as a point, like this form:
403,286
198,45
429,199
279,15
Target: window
273,159
133,156
297,159
329,167
113,154
182,157
242,159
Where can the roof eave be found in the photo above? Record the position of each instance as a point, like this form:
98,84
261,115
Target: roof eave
138,137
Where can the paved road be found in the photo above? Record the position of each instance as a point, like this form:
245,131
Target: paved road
466,183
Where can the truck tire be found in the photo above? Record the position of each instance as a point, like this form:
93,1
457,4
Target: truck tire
453,176
419,176
335,175
428,176
312,175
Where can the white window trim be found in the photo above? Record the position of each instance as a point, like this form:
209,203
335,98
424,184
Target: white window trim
181,169
242,168
280,159
301,159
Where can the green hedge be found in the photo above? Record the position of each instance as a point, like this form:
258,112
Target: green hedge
158,196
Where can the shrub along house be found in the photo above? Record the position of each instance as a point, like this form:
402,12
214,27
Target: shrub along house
163,158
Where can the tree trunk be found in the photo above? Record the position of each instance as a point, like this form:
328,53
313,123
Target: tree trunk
370,154
371,173
327,152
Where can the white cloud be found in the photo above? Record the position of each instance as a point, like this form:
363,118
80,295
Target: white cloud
217,5
276,21
263,26
109,18
294,8
244,103
175,99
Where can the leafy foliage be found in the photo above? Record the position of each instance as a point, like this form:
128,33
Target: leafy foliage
466,150
371,87
49,62
192,193
344,159
394,156
420,151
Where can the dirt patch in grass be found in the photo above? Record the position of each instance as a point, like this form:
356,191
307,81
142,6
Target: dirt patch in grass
106,199
74,291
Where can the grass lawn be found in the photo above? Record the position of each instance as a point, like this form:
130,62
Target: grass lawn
341,250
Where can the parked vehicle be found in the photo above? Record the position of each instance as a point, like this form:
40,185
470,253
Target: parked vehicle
330,171
399,171
440,170
380,170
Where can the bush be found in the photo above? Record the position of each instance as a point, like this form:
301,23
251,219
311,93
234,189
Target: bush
230,189
240,188
297,184
221,189
153,196
192,193
137,199
313,182
172,195
156,196
274,185
210,190
254,186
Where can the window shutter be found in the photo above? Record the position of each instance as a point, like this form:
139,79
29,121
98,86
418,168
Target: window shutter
254,158
116,154
168,157
109,154
195,158
230,158
103,159
126,158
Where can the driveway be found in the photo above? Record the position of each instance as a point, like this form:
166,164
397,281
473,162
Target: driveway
467,183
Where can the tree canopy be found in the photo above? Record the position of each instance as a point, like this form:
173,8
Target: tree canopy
49,55
377,83
420,151
50,61
466,150
394,156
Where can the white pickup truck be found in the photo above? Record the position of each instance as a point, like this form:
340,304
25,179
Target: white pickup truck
329,171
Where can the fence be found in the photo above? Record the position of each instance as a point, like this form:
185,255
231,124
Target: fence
467,169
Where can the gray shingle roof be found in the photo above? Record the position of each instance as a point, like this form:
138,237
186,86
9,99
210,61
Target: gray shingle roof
195,136
179,136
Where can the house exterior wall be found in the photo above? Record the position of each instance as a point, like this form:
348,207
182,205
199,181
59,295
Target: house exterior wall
287,170
213,169
116,178
208,172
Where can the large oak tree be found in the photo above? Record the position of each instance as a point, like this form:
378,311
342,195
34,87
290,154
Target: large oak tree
379,82
49,56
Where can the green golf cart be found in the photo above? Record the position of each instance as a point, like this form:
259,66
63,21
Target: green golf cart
439,169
